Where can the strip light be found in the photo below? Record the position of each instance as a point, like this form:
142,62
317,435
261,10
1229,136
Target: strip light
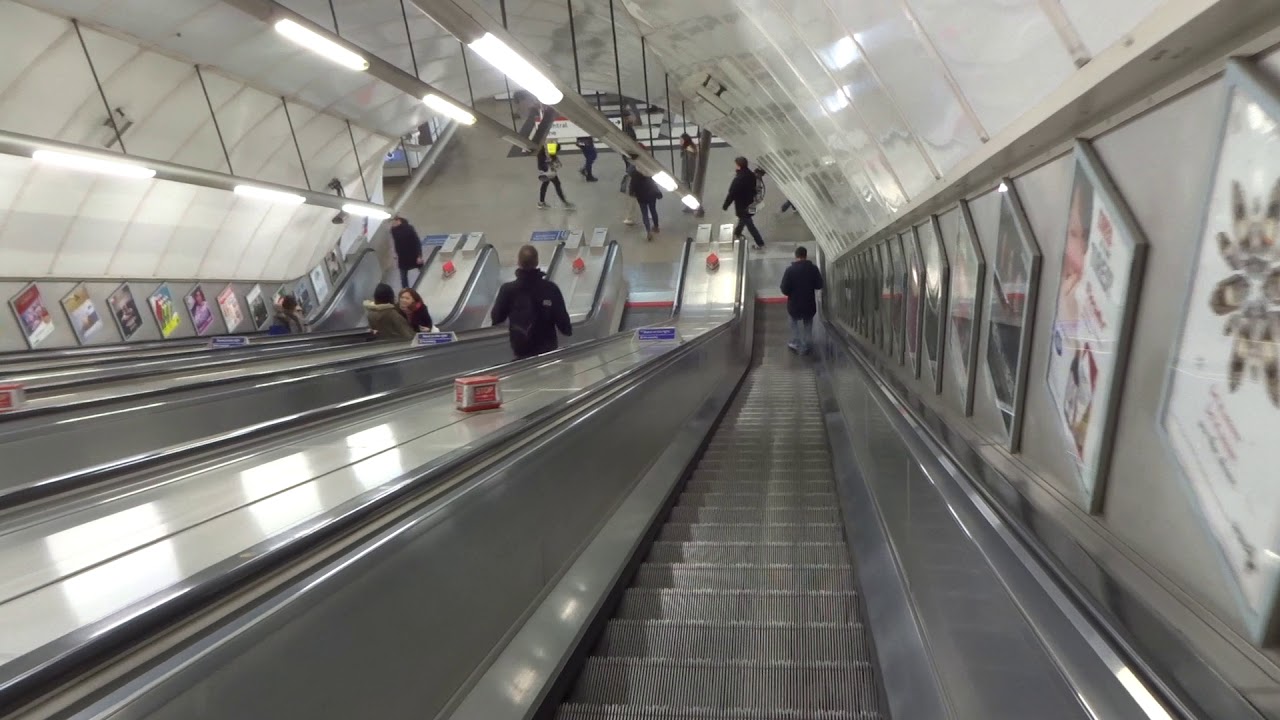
665,181
369,211
89,163
691,202
275,196
448,109
321,45
509,62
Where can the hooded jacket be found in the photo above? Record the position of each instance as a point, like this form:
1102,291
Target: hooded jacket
551,313
742,192
387,322
643,187
408,245
286,323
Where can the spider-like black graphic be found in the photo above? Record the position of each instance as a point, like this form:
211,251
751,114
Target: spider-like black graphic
1250,295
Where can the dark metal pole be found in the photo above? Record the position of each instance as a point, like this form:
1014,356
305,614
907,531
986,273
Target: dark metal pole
467,69
573,38
617,66
671,126
511,102
359,167
301,163
644,68
700,170
111,116
413,57
214,116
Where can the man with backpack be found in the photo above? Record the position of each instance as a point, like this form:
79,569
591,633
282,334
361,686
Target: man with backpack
533,308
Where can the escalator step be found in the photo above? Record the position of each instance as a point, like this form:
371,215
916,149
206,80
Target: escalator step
703,485
749,553
777,686
575,711
777,498
784,516
752,532
758,608
830,643
745,577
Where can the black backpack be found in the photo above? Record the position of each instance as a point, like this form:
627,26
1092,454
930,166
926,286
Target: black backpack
523,321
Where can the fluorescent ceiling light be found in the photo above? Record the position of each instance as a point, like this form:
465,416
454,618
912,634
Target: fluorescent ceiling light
691,202
321,45
448,109
1003,188
509,62
665,181
369,211
275,196
93,164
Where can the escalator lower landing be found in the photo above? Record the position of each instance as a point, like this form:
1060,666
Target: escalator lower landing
745,606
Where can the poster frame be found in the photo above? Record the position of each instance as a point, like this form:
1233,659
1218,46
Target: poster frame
1023,227
133,298
235,296
164,285
915,267
71,321
882,307
321,272
891,281
1240,76
938,366
969,392
1088,162
249,306
22,328
186,302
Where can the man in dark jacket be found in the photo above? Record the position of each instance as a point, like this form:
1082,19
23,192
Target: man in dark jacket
800,283
588,147
408,248
533,308
742,195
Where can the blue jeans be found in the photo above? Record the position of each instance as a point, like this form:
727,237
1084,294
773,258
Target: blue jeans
649,214
801,334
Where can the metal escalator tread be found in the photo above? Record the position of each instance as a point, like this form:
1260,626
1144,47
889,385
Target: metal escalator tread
745,606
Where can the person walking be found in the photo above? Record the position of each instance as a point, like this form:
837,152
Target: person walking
415,310
386,321
287,320
629,202
408,247
742,194
688,161
800,283
549,173
588,146
647,194
533,308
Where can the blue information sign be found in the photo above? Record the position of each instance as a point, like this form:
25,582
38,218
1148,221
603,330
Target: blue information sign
429,339
434,240
228,341
548,235
657,334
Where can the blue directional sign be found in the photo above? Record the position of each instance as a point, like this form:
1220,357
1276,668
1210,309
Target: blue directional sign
229,341
548,235
430,339
657,334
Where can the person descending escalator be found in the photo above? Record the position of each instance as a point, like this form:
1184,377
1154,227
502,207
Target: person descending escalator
386,321
287,320
532,307
408,247
742,195
800,283
415,310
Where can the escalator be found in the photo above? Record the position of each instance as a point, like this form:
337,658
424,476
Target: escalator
745,605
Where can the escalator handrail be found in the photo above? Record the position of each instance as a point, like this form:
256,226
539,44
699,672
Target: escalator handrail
482,259
426,263
597,299
32,674
685,254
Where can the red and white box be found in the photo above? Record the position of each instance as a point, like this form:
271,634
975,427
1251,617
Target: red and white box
480,392
11,398
448,269
579,265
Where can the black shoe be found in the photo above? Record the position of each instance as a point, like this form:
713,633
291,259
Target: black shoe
592,178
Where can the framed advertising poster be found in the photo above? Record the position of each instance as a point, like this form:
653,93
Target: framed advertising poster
893,302
937,279
320,282
1102,262
164,310
884,332
964,312
229,304
199,310
1222,394
333,265
33,316
124,310
81,312
1011,303
898,243
915,306
259,313
306,301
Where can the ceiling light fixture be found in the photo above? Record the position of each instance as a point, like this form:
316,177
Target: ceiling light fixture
275,196
691,202
321,45
369,211
93,164
509,63
448,109
665,181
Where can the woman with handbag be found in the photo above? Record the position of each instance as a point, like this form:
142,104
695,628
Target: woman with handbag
549,174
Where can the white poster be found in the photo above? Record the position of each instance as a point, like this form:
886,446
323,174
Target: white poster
320,281
1222,403
229,304
1089,329
258,312
83,314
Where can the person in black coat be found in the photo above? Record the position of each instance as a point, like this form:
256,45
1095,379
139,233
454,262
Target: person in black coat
742,195
647,194
588,146
408,248
801,283
533,308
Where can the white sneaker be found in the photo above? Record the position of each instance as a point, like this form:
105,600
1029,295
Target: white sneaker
628,222
542,206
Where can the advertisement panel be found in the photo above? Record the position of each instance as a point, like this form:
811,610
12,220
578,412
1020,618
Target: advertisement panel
33,316
1102,254
229,304
1222,396
84,317
259,313
321,282
164,310
306,301
124,309
199,310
